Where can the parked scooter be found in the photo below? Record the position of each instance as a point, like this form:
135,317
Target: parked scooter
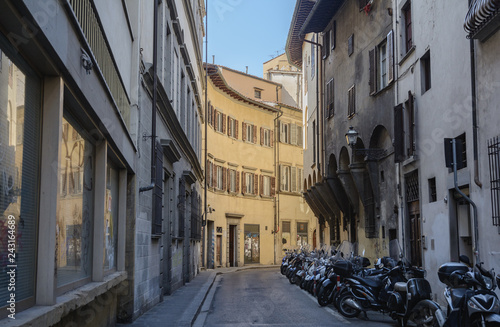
405,285
469,294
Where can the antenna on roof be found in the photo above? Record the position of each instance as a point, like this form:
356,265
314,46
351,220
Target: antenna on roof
247,69
213,59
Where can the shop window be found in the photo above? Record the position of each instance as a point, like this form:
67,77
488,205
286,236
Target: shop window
111,217
74,227
19,175
302,234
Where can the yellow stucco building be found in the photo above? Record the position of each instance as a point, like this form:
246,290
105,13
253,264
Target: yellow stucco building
254,172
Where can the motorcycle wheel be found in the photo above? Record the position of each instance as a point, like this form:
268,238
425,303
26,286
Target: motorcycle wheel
346,310
283,269
428,312
324,295
292,279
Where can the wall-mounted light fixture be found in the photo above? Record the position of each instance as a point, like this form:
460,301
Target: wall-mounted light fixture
86,61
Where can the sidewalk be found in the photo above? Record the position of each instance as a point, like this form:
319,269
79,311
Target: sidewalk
182,307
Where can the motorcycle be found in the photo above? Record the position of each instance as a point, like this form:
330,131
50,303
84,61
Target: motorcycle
402,291
469,294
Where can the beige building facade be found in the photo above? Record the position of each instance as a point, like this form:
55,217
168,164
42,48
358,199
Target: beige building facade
254,168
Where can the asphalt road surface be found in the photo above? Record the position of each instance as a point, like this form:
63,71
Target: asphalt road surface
264,297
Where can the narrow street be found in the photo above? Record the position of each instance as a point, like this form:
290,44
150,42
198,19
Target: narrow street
264,297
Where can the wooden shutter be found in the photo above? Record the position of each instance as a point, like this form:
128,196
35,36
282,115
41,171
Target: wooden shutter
299,135
411,124
236,129
223,123
255,183
293,179
244,131
243,183
261,189
300,177
334,34
228,179
271,138
216,120
273,186
399,144
229,126
254,134
372,54
224,179
282,132
209,118
293,134
390,55
237,182
213,116
281,175
214,176
261,136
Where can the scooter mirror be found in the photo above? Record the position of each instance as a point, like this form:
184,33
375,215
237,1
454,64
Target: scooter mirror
465,259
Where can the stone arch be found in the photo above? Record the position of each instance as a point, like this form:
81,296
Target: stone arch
332,166
345,159
314,177
309,181
380,139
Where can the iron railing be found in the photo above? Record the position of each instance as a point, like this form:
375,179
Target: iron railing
494,156
90,25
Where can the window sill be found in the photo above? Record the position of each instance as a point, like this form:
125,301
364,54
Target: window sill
388,86
249,195
410,160
407,55
39,315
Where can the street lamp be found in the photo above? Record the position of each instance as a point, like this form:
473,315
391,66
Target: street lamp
372,154
351,137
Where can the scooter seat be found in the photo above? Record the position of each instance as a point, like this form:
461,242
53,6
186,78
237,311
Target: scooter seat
400,287
369,281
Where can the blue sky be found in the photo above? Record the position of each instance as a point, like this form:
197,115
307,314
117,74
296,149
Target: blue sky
247,32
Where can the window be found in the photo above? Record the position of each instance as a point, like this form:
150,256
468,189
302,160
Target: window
404,130
314,141
220,122
210,114
266,186
285,178
220,178
300,177
284,132
302,234
326,44
408,37
330,97
381,64
432,189
350,45
494,165
266,138
425,71
19,178
257,93
250,133
74,223
333,35
232,130
291,133
285,232
249,183
232,181
293,179
210,174
111,217
313,58
351,102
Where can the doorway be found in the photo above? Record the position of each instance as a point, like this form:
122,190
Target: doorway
218,258
232,246
252,244
415,234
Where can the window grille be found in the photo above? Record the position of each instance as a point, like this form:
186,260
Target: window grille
494,159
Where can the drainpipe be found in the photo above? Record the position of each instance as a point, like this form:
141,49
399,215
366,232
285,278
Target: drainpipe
153,109
474,110
205,210
276,154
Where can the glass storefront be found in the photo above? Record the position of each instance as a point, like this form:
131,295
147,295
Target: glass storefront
111,218
19,173
75,210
